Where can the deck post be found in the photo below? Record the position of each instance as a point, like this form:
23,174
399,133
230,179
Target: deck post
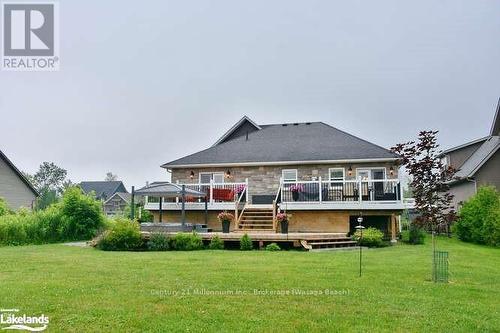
211,191
183,213
393,228
206,211
246,186
360,189
159,211
320,190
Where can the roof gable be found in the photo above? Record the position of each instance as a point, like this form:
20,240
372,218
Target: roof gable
18,173
244,126
288,143
478,158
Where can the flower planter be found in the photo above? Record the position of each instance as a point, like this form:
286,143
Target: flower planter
295,196
284,227
225,226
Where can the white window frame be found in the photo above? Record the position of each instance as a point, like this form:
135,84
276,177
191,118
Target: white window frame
336,169
370,170
212,174
289,170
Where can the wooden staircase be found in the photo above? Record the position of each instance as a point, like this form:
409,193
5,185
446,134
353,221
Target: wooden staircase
329,243
256,218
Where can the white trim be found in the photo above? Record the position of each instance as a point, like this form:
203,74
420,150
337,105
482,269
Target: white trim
371,169
211,177
464,145
236,164
289,170
234,127
336,169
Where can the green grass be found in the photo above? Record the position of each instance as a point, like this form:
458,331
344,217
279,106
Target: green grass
85,290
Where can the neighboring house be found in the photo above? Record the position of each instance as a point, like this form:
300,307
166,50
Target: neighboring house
106,192
321,175
477,164
117,203
14,187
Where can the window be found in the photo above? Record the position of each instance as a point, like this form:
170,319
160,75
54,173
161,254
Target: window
206,177
336,174
289,175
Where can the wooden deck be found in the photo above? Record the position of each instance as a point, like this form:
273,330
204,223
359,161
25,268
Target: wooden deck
309,241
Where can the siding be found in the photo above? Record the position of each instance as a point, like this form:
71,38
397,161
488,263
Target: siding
459,156
13,189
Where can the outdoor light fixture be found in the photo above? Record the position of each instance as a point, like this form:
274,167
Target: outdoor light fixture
391,170
228,173
349,171
191,175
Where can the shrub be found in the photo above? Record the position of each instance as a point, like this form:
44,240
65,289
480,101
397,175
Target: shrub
414,235
479,218
158,242
216,243
12,231
82,213
246,243
273,247
186,242
372,237
124,235
4,207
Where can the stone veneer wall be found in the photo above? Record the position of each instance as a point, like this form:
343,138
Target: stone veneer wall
265,180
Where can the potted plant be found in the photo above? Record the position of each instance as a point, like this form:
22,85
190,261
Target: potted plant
296,189
283,220
225,218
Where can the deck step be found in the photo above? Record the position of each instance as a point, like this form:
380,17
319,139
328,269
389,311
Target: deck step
243,225
335,242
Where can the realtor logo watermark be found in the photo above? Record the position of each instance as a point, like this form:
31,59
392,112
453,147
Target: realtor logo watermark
30,39
12,319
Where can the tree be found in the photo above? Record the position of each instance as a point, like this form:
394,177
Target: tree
110,177
429,181
50,181
49,177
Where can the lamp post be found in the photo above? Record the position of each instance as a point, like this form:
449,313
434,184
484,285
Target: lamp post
360,228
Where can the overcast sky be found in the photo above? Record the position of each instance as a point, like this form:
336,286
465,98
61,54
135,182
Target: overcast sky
135,76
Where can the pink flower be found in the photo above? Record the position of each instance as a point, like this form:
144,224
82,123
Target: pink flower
225,216
282,217
297,188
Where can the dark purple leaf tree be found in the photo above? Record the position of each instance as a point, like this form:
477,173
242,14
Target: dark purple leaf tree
429,181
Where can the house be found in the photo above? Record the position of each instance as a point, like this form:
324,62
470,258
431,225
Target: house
113,194
117,203
326,178
477,163
14,187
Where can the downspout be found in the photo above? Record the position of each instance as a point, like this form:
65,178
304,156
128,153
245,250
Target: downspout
472,180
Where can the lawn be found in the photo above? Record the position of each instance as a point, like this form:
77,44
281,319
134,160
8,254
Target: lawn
87,290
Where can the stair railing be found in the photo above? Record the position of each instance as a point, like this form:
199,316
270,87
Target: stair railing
276,201
238,215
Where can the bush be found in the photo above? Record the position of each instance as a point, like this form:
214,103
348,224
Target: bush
124,235
75,217
273,247
82,213
4,207
479,218
246,243
372,237
216,243
186,242
158,242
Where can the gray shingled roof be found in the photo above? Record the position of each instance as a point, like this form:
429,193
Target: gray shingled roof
288,143
103,189
478,158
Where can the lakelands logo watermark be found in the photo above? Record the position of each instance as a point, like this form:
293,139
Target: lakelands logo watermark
30,38
12,319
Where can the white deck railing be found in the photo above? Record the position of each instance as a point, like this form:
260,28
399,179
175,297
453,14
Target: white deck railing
318,191
216,193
